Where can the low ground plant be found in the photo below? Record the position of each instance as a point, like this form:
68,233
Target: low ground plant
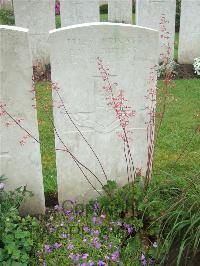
16,233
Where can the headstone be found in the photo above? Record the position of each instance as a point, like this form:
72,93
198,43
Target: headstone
159,15
5,4
39,17
189,35
120,11
20,159
79,11
78,54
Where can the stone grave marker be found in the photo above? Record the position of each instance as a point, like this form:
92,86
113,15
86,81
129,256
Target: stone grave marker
79,11
81,57
189,36
20,159
159,15
39,17
120,11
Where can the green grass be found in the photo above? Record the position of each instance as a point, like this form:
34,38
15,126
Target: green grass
43,94
181,119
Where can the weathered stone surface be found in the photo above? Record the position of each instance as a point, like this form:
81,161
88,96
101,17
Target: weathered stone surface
79,11
21,164
189,36
129,52
39,17
159,15
120,11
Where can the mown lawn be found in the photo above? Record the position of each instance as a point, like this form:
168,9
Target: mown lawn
181,118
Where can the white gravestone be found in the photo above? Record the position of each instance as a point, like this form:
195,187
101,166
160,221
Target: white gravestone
20,159
129,52
79,11
39,17
120,11
159,15
189,36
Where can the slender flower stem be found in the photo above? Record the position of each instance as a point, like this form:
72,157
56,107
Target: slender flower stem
89,145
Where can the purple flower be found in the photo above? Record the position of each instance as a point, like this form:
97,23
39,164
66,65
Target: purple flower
68,212
129,228
2,185
95,232
97,245
64,235
70,246
58,208
143,260
105,237
100,263
106,257
57,245
47,248
51,229
115,256
86,229
96,206
85,256
74,257
44,263
110,245
94,219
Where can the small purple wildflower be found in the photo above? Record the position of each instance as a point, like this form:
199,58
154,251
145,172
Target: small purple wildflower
96,206
100,263
106,257
47,248
58,208
64,235
94,219
51,229
74,257
143,260
129,228
95,232
110,245
68,212
85,256
57,245
115,256
70,246
97,245
86,229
